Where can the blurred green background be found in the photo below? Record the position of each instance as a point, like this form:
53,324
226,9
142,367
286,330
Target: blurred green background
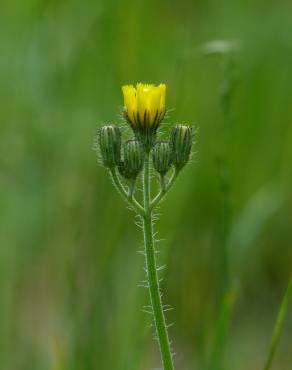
69,266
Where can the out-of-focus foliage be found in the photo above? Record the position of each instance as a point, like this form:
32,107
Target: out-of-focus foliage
68,263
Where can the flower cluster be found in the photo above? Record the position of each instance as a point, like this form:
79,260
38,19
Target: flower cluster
144,110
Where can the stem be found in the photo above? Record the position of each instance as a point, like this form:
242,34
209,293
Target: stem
226,96
152,276
164,190
128,196
225,288
278,325
222,327
162,182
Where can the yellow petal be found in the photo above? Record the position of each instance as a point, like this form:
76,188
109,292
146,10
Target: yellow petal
130,101
162,88
154,104
143,101
146,102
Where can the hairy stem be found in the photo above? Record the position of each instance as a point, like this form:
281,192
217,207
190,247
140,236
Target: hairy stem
152,276
127,196
164,190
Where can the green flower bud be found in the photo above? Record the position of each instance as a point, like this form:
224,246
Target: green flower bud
162,157
181,144
133,159
110,145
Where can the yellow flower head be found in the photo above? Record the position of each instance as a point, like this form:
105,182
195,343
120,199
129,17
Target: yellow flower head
144,105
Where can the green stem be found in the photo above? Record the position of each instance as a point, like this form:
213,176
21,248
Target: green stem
225,285
127,196
278,325
164,190
153,282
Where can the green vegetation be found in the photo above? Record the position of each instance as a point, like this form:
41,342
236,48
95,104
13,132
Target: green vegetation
69,266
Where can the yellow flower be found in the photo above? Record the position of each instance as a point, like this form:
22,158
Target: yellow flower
144,105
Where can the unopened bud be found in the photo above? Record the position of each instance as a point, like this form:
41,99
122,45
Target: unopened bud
110,145
181,144
133,159
161,157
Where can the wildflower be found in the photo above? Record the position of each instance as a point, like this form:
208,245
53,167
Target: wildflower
144,109
144,105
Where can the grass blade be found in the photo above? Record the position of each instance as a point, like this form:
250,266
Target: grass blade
278,325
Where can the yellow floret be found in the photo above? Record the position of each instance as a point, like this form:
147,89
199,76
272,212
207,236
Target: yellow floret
145,104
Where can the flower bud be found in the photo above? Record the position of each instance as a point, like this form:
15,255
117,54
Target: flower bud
133,159
110,145
161,157
181,144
